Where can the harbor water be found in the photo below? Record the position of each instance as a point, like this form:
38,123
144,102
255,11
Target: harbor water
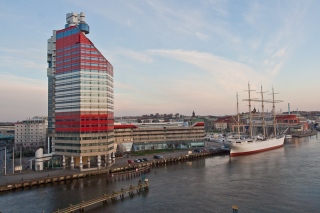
282,180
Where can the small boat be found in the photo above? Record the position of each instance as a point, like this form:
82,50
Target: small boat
215,137
288,136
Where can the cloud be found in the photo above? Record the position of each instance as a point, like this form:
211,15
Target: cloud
22,61
280,53
210,80
226,73
142,57
255,43
252,15
202,36
220,7
22,98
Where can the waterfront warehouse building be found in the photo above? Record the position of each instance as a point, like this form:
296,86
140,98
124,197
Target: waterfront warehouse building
80,97
31,134
151,136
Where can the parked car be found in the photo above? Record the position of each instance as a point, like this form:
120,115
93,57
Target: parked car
130,161
158,157
140,159
197,150
145,159
213,149
137,160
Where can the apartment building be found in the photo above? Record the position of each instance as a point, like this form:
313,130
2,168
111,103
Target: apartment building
31,133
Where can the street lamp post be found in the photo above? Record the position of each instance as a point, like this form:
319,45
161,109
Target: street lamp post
20,158
5,160
13,159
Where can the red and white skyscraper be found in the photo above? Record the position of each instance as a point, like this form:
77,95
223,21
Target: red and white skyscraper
80,97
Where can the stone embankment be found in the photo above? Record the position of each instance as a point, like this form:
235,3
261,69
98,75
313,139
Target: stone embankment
116,174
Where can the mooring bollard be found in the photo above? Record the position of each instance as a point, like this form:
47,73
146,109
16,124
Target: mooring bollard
235,209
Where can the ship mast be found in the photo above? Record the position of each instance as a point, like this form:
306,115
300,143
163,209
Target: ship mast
238,117
274,111
250,114
274,114
262,113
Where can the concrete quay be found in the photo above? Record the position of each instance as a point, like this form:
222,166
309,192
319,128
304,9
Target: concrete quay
120,171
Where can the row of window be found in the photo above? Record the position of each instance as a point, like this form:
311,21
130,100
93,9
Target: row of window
68,66
67,33
93,101
76,69
105,76
105,108
85,88
61,55
87,45
73,76
32,144
77,81
89,52
68,60
28,126
101,75
30,133
91,64
29,130
74,95
84,151
83,138
85,106
82,126
82,120
84,144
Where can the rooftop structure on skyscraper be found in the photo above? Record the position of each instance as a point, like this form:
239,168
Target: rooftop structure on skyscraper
74,19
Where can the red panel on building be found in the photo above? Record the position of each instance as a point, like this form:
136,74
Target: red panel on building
125,126
199,124
74,53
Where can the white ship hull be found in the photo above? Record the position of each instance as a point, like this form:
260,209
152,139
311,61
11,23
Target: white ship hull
246,147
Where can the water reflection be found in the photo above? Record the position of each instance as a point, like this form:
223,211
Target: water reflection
273,181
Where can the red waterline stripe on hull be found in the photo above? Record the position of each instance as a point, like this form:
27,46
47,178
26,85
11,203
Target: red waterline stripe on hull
253,152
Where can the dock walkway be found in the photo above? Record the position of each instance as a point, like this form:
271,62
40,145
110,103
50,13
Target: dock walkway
105,198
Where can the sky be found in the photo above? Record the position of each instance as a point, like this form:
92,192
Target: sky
170,56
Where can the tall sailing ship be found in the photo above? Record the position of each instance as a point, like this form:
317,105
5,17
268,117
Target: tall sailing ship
254,144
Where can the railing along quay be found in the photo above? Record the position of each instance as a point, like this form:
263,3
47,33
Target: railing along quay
304,133
143,185
116,174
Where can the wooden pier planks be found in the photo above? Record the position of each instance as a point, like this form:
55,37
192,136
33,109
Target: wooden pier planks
105,198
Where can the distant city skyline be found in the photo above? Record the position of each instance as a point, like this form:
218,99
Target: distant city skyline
170,57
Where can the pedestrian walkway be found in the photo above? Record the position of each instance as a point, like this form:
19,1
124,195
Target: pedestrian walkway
32,174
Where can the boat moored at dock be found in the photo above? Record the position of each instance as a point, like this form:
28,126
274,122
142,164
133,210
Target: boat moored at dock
258,143
246,147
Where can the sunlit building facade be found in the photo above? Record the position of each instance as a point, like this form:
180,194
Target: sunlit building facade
152,136
80,97
31,133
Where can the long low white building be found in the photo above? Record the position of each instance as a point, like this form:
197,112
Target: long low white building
149,136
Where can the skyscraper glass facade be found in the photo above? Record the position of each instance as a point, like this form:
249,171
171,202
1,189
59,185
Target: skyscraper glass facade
80,93
83,86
